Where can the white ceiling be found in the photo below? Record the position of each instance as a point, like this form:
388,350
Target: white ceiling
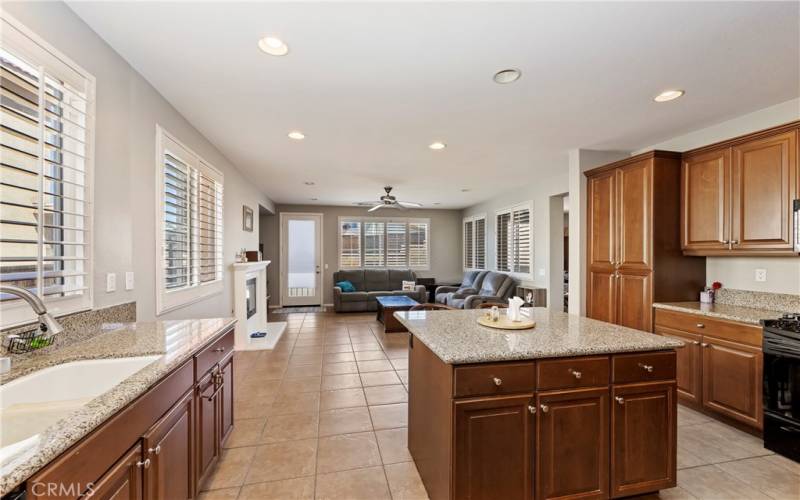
372,84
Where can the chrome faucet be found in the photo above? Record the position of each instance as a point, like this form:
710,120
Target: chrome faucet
47,323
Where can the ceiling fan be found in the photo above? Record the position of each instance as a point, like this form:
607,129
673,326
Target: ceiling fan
388,201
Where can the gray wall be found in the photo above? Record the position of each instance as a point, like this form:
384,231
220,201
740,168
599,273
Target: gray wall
445,242
127,111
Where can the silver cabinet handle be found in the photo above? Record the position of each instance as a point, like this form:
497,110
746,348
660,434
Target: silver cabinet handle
575,373
145,464
734,242
498,381
532,409
155,450
700,325
620,400
544,408
647,368
219,349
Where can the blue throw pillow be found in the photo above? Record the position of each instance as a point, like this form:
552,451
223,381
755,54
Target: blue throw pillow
346,286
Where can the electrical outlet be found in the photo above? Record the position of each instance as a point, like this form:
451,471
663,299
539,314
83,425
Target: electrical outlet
111,282
761,275
129,280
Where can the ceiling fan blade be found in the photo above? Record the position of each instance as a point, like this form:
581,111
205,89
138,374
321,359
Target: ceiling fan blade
399,207
376,207
367,203
410,204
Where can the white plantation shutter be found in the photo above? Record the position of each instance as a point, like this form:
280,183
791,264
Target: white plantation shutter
191,226
46,130
475,242
374,244
350,243
418,245
503,242
469,245
513,240
384,243
396,250
480,243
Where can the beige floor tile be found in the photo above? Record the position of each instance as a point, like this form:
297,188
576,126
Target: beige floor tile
305,359
295,402
223,494
339,368
377,365
386,394
300,350
676,493
338,357
342,398
231,469
246,432
302,371
389,416
404,482
403,375
779,461
711,482
711,447
337,348
347,451
688,459
761,474
393,444
344,421
285,460
301,488
290,427
396,352
369,355
379,378
368,347
251,408
346,381
358,484
400,363
305,384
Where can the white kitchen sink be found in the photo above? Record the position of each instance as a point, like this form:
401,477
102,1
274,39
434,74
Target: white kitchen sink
30,404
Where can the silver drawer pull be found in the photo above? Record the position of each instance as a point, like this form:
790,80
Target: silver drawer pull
575,373
145,464
647,368
532,409
219,349
620,400
498,381
155,450
544,408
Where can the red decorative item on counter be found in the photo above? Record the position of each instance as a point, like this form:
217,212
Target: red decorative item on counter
716,285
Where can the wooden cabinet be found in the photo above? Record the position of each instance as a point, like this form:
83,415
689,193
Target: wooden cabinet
123,481
689,374
737,195
572,444
226,398
208,413
493,448
643,431
169,445
633,253
732,380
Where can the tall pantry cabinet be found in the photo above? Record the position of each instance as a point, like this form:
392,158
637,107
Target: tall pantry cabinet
634,255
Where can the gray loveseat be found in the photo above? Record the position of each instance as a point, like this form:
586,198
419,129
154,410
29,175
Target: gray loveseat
486,286
371,283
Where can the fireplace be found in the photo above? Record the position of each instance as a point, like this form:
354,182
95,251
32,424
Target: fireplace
251,297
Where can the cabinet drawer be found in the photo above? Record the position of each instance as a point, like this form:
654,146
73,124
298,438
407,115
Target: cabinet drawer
496,378
703,325
644,367
213,354
571,373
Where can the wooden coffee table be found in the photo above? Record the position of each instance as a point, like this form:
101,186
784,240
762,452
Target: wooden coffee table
387,305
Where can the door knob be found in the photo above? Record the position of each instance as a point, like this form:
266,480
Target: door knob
647,368
704,344
700,325
544,408
532,409
155,450
620,400
575,373
696,342
145,464
497,381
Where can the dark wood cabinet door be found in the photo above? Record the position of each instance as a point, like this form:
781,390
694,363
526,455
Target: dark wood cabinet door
207,435
170,448
226,399
705,201
689,360
643,438
123,481
572,444
634,300
732,383
601,301
492,455
634,216
601,228
763,176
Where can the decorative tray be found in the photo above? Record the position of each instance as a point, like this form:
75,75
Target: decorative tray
503,323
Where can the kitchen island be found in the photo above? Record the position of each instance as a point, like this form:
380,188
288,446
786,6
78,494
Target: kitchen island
571,408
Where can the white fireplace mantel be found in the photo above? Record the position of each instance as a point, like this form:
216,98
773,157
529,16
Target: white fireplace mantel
242,272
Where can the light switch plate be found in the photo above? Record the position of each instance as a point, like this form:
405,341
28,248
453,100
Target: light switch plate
111,282
761,275
129,280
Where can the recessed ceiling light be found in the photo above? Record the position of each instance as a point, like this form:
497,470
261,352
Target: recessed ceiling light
507,76
309,183
465,190
296,135
436,203
314,199
273,46
436,146
668,95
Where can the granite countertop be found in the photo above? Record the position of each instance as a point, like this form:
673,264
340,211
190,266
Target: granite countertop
749,315
456,337
173,341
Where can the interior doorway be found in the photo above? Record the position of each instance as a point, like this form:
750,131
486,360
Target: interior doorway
558,289
301,259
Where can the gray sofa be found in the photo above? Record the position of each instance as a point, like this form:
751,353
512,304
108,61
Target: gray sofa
487,286
470,285
371,283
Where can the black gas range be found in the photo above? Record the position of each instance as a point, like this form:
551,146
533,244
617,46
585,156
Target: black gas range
782,385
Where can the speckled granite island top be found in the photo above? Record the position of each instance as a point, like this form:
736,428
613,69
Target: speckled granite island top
174,341
456,338
741,314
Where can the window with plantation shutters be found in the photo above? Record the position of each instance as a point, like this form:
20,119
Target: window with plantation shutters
46,133
380,243
474,230
190,226
513,240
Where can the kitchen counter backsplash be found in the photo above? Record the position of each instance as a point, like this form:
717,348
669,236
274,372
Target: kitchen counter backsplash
784,302
78,326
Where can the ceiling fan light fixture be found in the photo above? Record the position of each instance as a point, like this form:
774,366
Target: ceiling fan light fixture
505,76
273,46
669,95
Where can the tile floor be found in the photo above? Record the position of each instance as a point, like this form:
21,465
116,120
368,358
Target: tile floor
324,416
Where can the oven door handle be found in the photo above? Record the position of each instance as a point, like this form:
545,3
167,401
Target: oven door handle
789,429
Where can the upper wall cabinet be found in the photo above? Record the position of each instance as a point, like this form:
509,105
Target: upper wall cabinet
737,196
